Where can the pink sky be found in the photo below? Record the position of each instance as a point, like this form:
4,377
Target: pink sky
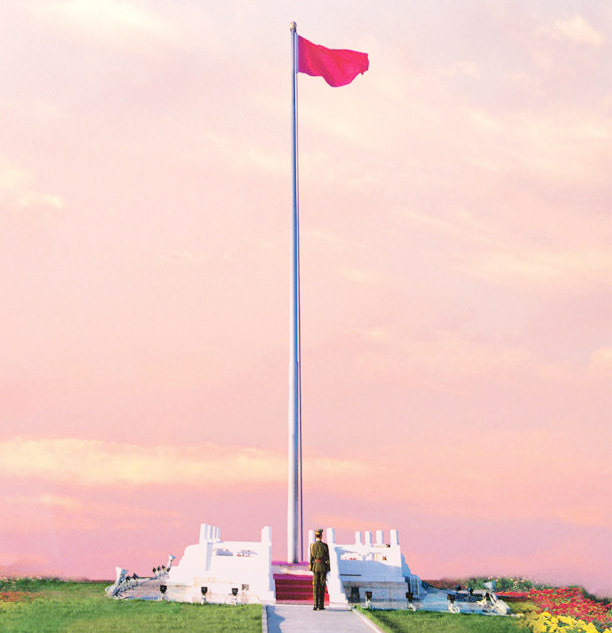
456,268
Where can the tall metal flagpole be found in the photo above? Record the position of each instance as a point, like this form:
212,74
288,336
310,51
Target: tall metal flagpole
295,422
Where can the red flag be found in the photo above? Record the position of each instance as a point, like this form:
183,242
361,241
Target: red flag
337,66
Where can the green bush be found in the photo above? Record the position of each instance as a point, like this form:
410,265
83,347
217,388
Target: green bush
31,584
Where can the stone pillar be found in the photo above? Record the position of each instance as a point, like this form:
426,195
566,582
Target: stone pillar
335,588
394,538
203,532
380,537
358,538
266,535
368,538
267,589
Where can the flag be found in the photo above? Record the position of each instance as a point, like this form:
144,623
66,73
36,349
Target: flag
337,66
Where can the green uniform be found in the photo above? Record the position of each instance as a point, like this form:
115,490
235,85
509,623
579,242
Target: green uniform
319,566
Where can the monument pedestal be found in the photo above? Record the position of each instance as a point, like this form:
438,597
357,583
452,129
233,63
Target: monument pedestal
230,571
233,572
369,569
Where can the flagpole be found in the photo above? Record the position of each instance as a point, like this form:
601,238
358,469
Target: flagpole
294,516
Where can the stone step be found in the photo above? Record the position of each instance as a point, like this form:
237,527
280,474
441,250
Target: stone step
290,587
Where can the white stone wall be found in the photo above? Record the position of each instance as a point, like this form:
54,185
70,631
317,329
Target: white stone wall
220,565
370,564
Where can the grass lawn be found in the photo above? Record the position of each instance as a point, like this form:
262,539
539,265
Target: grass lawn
74,607
428,622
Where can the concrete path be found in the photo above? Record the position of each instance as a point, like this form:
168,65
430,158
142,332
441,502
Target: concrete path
288,618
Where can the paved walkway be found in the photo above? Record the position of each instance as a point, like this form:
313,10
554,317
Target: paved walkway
288,618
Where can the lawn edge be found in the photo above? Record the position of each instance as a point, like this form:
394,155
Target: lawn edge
264,618
368,620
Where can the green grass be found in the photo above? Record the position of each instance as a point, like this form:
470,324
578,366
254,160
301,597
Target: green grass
428,622
81,607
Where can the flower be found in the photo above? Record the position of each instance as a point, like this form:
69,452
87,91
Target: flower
567,609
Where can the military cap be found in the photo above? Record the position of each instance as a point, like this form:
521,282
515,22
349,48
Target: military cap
319,532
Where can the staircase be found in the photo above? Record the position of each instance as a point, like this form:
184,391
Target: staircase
294,589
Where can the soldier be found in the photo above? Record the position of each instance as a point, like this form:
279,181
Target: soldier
319,566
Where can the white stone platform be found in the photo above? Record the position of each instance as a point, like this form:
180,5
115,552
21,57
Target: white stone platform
371,564
371,571
224,567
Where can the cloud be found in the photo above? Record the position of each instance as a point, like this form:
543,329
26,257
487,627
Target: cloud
460,226
89,462
372,335
601,361
17,189
322,237
556,146
349,522
458,478
452,353
267,161
465,67
78,465
30,514
111,18
541,266
59,501
98,463
360,276
574,29
45,500
529,473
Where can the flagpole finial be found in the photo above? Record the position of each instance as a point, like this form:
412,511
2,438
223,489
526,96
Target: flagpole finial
293,27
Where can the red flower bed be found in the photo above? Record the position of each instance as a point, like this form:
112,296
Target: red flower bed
572,601
15,596
513,596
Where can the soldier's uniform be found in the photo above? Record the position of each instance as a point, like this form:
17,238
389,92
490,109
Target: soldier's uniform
319,566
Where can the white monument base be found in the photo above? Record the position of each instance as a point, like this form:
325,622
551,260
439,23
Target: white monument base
223,571
369,570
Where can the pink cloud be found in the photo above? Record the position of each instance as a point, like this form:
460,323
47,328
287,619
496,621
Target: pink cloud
575,29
